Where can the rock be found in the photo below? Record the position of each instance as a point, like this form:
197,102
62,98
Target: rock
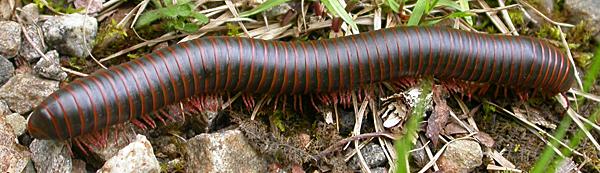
50,67
544,6
461,156
379,170
28,49
17,122
51,156
584,10
7,70
25,91
166,147
347,121
10,38
30,14
4,110
92,7
13,157
78,166
226,151
70,34
170,150
135,157
125,134
30,168
373,154
6,9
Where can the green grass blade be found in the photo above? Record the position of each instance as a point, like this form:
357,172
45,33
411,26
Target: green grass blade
464,4
449,3
146,18
589,80
418,12
334,7
452,15
393,4
548,153
263,7
405,143
592,72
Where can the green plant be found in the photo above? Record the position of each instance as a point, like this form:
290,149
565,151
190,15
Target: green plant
277,119
394,5
263,7
336,9
178,16
405,143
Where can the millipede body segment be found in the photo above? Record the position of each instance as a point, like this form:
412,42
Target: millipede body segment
232,64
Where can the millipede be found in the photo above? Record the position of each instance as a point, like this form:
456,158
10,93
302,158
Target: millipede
213,65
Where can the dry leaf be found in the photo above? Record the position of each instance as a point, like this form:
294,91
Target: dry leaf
485,139
453,128
438,119
535,116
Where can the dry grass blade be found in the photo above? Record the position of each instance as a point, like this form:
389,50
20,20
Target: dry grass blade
502,169
494,18
109,8
571,60
213,23
85,43
489,10
165,37
385,144
139,9
233,11
585,95
507,19
574,116
42,54
544,16
502,160
74,72
537,130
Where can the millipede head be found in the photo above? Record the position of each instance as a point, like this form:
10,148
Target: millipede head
38,124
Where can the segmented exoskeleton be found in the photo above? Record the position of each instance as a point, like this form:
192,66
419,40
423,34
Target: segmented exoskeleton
230,64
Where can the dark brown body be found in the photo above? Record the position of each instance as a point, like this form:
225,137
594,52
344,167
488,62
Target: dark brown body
219,64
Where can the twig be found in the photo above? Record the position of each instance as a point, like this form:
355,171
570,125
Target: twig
572,62
233,11
488,10
544,16
73,72
574,117
85,43
507,19
137,46
353,138
495,19
585,95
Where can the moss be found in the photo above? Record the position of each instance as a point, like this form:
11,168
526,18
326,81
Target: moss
516,17
549,32
277,121
582,34
580,42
